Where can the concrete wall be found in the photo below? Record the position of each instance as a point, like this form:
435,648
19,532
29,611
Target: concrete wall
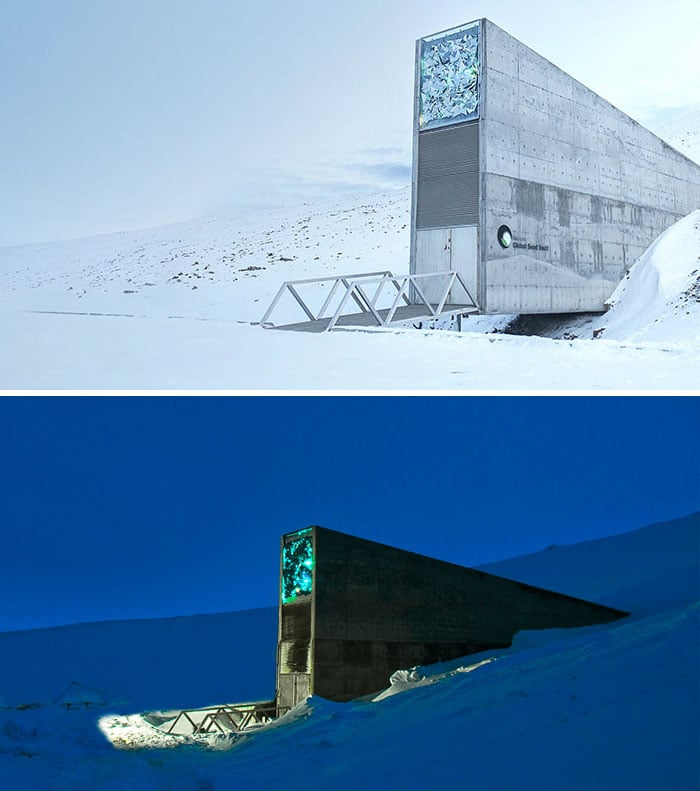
376,609
570,175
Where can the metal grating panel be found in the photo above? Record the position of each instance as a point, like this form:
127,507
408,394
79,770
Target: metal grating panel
448,177
296,621
295,658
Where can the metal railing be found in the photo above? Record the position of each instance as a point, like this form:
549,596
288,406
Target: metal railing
355,288
228,717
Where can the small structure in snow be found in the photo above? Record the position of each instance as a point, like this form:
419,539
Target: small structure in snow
76,696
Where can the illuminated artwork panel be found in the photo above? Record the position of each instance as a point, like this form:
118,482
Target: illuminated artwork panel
297,566
449,77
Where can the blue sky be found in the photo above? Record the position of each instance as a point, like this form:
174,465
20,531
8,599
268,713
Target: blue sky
118,115
149,507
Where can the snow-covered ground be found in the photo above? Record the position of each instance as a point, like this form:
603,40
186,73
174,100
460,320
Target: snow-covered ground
604,707
176,307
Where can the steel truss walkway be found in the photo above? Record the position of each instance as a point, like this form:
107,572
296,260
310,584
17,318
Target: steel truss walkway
403,296
227,718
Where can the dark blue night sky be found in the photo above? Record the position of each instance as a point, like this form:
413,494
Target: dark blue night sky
149,507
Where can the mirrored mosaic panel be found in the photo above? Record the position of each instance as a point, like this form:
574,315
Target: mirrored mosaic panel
297,566
449,77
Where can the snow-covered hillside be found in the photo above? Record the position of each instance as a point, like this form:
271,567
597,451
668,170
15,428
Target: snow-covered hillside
603,707
684,134
225,269
150,664
176,307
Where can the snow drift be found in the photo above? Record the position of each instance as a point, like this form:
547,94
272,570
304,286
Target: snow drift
660,297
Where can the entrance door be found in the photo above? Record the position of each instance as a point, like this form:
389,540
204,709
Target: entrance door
432,255
447,249
463,259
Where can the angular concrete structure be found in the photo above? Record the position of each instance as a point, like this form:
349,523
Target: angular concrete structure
353,611
538,191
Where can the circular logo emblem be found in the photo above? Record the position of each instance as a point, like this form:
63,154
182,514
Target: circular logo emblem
505,237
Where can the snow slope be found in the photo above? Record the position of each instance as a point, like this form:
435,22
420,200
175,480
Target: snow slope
225,269
175,307
684,134
603,707
661,558
147,664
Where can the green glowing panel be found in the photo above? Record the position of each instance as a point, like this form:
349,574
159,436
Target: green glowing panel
297,566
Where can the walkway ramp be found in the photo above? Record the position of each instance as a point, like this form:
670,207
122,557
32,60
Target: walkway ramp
230,717
373,299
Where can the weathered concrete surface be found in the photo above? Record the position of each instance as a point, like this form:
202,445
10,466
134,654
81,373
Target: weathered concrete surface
375,609
569,172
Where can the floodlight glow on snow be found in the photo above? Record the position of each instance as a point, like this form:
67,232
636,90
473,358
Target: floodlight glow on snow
297,566
449,77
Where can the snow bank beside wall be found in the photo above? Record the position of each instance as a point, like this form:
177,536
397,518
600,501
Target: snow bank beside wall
659,300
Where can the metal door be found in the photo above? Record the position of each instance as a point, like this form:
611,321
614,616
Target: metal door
463,259
432,255
447,249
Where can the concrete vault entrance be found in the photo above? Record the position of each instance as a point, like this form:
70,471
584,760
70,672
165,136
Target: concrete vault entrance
353,611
